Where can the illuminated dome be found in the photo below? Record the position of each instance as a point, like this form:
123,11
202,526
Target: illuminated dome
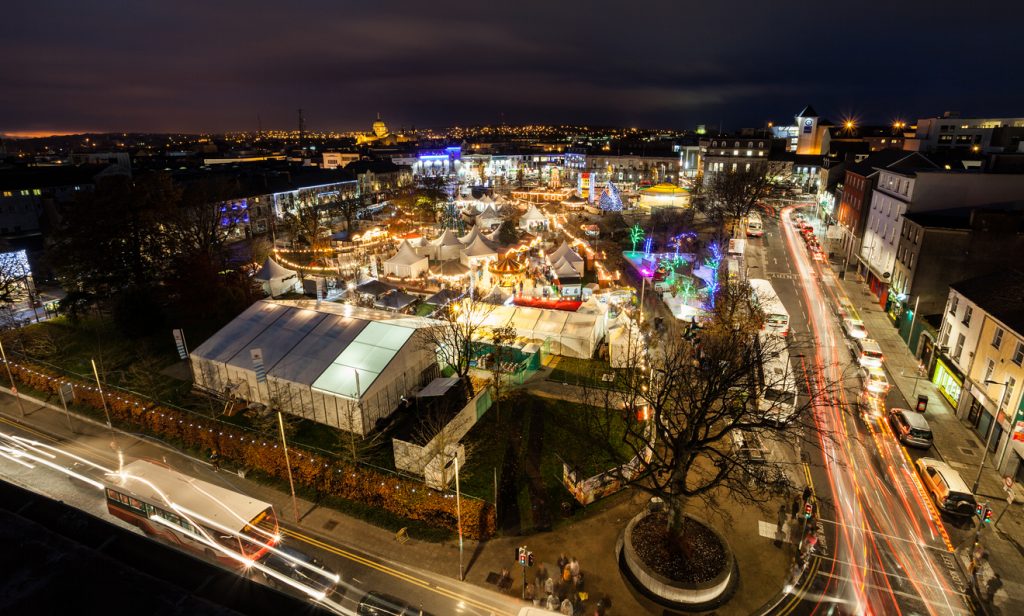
380,129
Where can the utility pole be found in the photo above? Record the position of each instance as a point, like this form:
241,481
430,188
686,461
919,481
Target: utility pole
14,388
991,432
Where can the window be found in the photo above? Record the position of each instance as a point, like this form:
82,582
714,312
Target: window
953,305
1007,393
959,347
968,312
910,259
997,338
990,367
1018,353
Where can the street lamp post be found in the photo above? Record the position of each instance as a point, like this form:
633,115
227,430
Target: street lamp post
991,431
14,388
458,514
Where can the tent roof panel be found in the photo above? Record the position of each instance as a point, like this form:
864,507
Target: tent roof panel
310,357
278,341
237,334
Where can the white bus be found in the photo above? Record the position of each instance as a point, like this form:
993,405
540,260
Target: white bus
776,318
195,515
776,383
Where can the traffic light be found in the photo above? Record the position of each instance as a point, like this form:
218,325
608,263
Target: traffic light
519,555
529,559
522,556
979,509
988,515
808,510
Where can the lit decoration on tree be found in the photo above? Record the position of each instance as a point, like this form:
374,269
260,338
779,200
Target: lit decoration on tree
635,235
647,246
610,200
713,262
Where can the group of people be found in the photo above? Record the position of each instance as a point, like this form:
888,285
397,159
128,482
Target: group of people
565,593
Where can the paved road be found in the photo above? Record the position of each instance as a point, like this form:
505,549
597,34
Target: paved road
886,550
359,570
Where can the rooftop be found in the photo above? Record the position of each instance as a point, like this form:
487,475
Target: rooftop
965,217
1000,294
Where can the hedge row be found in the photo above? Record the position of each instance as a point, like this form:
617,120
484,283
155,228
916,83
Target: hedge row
401,497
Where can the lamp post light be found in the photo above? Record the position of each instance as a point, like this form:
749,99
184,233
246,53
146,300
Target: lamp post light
991,431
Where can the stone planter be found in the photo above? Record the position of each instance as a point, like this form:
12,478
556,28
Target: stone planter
670,593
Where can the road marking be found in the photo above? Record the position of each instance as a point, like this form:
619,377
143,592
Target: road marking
29,429
394,572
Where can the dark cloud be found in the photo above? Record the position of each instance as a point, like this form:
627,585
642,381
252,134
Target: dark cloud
212,66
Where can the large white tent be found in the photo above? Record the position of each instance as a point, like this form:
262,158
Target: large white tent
276,279
446,246
489,217
625,342
406,263
567,333
335,364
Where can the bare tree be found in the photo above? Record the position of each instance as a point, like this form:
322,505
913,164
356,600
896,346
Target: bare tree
682,405
13,275
728,196
440,430
502,337
305,223
452,333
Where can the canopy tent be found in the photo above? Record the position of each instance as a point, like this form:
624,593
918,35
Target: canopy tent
406,263
494,235
438,387
625,342
567,254
489,217
450,269
446,246
276,279
313,356
478,251
470,235
567,333
396,300
533,219
373,288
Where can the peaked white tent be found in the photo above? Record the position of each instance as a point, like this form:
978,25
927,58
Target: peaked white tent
406,263
625,343
489,217
570,256
446,246
276,279
471,235
533,219
479,250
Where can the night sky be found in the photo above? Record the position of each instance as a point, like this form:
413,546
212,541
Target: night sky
72,66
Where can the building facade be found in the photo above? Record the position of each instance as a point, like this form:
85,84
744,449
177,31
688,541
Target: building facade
951,132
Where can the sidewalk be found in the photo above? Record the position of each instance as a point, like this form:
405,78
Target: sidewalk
590,538
957,445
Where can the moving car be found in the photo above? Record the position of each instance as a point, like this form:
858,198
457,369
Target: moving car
844,309
854,328
910,428
946,486
376,603
875,382
754,226
300,567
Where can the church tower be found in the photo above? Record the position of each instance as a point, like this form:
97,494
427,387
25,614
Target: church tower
808,140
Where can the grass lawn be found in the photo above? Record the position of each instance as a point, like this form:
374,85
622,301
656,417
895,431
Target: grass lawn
587,372
560,441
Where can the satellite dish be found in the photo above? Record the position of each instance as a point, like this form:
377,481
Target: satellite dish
886,275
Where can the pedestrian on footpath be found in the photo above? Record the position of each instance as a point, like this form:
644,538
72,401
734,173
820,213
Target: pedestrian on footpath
574,568
529,593
993,586
562,562
783,516
566,607
549,586
552,602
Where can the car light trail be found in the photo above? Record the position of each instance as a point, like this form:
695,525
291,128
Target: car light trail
887,533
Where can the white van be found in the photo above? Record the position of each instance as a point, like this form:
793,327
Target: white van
867,353
754,226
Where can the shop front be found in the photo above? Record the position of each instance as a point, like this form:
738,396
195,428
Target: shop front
949,381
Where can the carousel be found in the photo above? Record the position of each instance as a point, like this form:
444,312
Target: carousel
508,271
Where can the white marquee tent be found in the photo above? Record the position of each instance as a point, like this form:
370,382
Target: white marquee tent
406,263
276,279
568,333
489,217
335,364
533,219
566,253
446,246
625,343
479,250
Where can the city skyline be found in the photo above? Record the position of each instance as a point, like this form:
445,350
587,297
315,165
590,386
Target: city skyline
208,69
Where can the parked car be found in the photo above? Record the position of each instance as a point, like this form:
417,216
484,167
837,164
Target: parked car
844,309
947,487
910,428
301,567
854,328
376,603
